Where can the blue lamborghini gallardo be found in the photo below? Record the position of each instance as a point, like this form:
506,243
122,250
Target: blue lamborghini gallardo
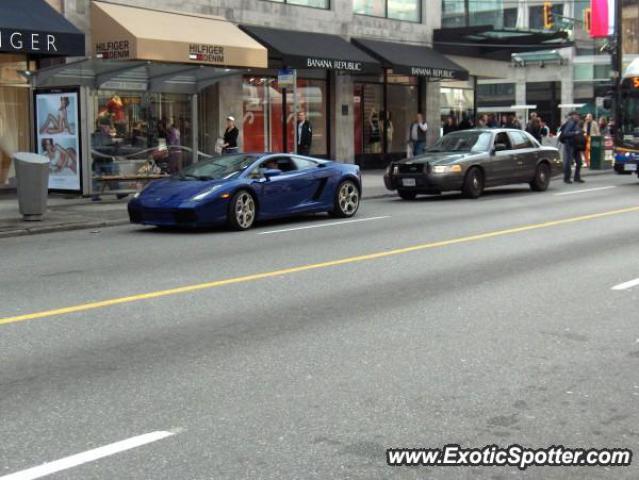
240,189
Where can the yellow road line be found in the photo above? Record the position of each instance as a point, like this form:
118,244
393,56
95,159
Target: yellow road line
303,268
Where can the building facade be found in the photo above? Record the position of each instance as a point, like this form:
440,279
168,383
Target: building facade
573,77
361,71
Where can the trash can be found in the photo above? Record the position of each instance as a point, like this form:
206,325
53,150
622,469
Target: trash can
32,175
596,152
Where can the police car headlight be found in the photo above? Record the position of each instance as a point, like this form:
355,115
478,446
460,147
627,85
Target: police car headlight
439,169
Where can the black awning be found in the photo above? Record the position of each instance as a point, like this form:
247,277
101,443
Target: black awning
485,41
413,59
33,27
312,50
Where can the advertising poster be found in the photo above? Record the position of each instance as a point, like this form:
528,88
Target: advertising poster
58,137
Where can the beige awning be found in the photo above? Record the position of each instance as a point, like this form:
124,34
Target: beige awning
122,32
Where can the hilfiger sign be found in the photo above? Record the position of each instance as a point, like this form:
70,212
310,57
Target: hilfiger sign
328,64
30,42
113,50
206,53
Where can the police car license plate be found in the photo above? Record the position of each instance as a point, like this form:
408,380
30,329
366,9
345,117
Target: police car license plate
409,182
630,167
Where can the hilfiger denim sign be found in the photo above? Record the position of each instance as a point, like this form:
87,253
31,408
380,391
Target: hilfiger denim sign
28,42
113,50
206,53
328,64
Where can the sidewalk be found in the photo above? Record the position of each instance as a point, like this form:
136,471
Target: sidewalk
65,213
72,213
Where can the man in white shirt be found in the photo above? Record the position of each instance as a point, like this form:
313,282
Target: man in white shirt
417,134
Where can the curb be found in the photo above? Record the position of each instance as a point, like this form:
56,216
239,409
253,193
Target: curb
115,223
62,228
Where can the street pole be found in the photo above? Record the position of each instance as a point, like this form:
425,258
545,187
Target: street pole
617,63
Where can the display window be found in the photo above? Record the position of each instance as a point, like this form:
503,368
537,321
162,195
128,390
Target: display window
270,119
14,115
383,112
139,135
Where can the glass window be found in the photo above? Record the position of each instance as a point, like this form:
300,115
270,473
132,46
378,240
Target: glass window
463,13
510,17
303,164
264,115
407,10
14,115
306,3
309,3
495,94
402,110
502,137
376,8
520,140
486,12
312,100
453,13
139,134
369,102
465,141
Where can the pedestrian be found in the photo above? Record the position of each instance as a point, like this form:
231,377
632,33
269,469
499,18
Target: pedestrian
581,150
534,127
492,121
230,136
482,121
567,133
544,130
417,135
450,125
465,124
591,127
517,123
603,126
304,134
375,132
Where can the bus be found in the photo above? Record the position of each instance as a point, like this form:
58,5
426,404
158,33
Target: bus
627,135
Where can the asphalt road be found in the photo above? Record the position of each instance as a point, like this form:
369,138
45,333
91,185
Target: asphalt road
301,367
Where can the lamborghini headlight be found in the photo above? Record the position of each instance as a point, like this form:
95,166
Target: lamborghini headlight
206,193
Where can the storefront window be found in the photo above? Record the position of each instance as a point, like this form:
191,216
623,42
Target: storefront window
379,132
369,103
456,102
263,122
407,10
402,104
14,115
137,135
